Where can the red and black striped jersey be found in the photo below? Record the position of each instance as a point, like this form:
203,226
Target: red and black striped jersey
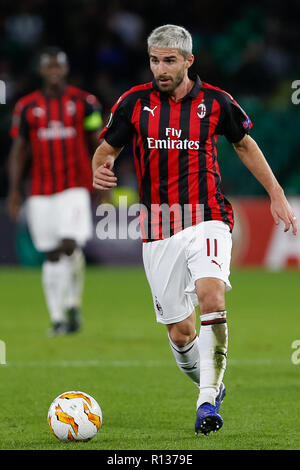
56,130
175,153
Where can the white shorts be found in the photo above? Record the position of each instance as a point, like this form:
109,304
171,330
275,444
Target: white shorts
64,215
173,265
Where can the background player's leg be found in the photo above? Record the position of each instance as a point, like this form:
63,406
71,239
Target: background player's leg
184,344
75,263
55,281
213,337
75,228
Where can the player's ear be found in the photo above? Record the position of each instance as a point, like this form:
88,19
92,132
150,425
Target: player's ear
189,61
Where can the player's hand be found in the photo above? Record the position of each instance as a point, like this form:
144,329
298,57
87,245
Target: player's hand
281,210
104,178
14,201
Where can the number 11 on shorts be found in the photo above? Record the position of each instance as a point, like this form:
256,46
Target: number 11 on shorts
211,247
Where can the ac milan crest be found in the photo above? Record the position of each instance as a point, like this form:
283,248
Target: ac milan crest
158,306
201,110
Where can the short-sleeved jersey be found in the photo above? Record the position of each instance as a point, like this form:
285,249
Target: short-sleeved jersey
175,153
56,130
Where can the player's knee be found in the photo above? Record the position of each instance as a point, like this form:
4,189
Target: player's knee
53,256
211,294
181,335
181,340
211,301
68,246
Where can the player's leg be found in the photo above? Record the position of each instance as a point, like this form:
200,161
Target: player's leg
75,263
167,274
213,337
209,262
55,275
41,217
213,341
75,228
184,344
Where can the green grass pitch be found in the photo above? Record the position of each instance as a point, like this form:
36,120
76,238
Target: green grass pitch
122,358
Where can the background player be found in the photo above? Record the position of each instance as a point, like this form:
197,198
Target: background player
174,122
58,125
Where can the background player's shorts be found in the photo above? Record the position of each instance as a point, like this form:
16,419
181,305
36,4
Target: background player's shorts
64,215
173,265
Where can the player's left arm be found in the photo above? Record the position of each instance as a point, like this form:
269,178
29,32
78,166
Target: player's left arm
253,158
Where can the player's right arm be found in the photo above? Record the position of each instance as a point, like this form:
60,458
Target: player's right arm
16,165
102,165
116,134
18,154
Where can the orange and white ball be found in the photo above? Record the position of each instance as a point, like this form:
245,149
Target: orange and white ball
74,416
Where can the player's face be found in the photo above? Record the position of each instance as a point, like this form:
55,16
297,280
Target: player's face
169,67
52,71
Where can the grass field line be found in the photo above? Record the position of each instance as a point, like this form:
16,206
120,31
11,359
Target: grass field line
137,363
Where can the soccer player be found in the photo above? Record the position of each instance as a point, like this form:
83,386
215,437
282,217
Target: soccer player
60,125
174,123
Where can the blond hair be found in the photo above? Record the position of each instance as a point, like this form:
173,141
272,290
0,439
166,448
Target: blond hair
173,37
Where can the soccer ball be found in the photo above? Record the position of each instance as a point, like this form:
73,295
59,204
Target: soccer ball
74,416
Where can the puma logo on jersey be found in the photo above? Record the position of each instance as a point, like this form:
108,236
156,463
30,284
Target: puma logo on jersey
218,264
145,108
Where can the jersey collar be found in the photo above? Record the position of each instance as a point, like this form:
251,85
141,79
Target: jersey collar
59,94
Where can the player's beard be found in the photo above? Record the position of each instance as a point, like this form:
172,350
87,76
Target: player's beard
172,84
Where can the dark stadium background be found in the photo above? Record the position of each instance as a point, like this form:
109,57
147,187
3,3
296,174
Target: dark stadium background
250,49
